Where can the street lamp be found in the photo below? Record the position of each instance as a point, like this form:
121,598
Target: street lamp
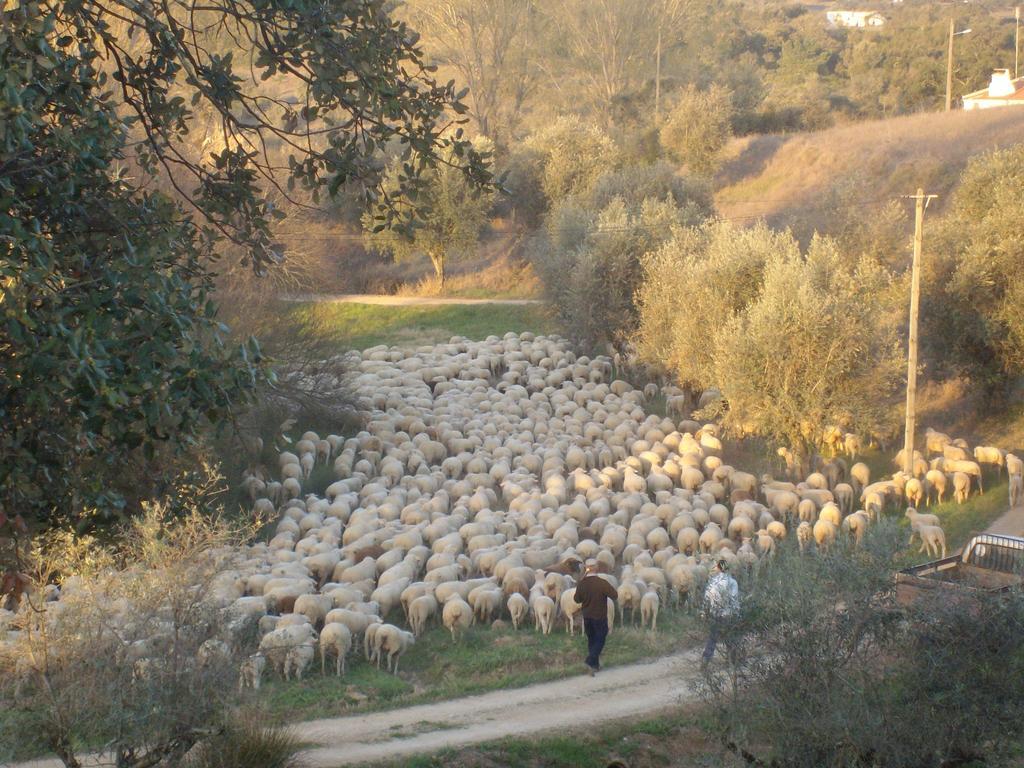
949,65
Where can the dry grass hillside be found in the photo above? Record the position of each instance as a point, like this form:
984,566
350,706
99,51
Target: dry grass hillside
785,178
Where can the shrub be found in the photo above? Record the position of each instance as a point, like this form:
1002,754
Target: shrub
245,743
698,128
574,155
126,658
815,348
712,272
826,669
589,256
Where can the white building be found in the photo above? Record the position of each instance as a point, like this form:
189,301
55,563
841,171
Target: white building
1002,91
854,18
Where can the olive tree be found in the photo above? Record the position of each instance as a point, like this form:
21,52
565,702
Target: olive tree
592,244
693,285
987,286
814,349
572,155
698,127
449,229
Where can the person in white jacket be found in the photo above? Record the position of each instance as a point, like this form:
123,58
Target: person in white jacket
721,601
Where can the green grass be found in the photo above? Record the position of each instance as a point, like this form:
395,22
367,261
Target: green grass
359,326
672,740
484,659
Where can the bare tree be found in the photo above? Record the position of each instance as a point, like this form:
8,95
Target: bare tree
613,42
488,43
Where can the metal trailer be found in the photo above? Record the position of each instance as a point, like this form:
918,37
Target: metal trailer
989,563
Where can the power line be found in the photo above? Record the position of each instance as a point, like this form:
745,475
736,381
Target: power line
498,235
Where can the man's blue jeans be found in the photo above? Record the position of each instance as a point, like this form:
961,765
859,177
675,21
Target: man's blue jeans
596,631
709,649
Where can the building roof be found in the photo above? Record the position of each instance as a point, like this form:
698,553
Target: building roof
1013,92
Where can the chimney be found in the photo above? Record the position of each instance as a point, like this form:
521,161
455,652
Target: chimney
1002,85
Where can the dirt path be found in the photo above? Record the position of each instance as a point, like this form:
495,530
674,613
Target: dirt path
400,301
573,703
1010,523
614,694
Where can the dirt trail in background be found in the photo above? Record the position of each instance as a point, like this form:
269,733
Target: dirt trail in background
574,703
399,301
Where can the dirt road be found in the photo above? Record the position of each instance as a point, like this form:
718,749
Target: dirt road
614,694
400,301
1010,523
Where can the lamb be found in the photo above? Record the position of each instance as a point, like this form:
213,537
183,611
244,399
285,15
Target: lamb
518,609
824,534
961,487
420,612
988,454
457,615
391,643
1016,490
649,604
337,638
544,613
297,661
251,672
933,539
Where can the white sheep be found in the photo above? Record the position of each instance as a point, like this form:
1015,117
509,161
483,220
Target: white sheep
457,616
337,638
250,673
297,661
390,644
649,605
421,610
1016,490
933,539
544,613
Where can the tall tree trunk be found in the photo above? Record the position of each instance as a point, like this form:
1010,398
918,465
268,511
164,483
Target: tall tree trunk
437,259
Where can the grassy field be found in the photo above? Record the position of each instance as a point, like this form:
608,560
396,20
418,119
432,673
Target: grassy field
484,659
359,326
779,176
673,740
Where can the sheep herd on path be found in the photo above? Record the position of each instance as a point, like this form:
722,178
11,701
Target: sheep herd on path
489,471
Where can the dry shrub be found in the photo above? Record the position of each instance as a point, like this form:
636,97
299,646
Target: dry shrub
137,659
247,743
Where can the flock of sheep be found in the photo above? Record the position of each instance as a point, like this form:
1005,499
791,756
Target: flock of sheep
488,472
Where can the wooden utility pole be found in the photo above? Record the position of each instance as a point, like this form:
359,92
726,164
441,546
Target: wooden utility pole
921,202
657,80
949,70
1016,42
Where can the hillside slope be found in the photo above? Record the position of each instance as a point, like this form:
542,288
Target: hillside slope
786,178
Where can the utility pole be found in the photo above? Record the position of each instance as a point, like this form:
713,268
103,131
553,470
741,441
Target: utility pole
657,80
1016,42
949,70
921,202
949,64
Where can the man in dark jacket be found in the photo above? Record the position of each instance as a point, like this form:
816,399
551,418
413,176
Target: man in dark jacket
593,593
